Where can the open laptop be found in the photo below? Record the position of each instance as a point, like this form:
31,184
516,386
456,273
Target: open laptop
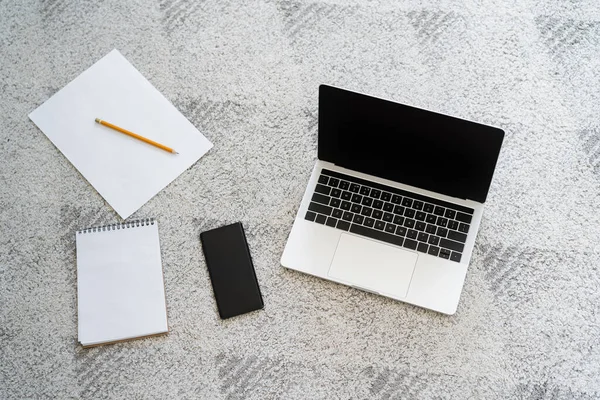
395,199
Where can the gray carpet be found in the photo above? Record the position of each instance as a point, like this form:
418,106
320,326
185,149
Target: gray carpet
247,75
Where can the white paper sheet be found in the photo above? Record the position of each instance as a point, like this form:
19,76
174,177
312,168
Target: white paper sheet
124,170
120,287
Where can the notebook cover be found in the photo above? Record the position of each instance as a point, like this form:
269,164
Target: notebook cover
120,285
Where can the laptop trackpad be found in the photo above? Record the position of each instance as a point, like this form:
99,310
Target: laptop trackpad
373,266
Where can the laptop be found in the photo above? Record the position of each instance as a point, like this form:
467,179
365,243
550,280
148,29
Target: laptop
395,199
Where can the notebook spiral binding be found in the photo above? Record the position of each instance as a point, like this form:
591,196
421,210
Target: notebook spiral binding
114,227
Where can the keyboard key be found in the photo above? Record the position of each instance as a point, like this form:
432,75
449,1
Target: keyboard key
401,231
433,250
390,228
410,244
431,228
434,240
320,208
334,182
398,220
428,208
420,216
407,202
331,222
409,212
385,196
444,253
364,190
379,225
369,222
453,224
450,214
356,198
347,216
431,219
455,256
337,213
452,245
375,193
378,204
321,219
396,199
355,208
399,210
377,214
320,198
344,185
346,205
463,228
409,223
417,205
346,195
422,247
420,226
459,237
323,189
422,237
388,207
335,202
441,221
438,210
366,211
310,216
323,179
336,193
367,201
387,217
343,225
358,219
462,217
441,231
377,235
354,188
412,234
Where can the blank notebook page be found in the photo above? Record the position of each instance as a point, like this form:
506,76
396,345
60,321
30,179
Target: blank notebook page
120,287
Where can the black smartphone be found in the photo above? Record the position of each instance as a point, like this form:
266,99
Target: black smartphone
231,270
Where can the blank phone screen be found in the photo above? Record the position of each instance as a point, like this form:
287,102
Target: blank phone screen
232,274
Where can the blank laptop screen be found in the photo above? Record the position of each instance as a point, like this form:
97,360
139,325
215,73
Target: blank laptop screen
408,145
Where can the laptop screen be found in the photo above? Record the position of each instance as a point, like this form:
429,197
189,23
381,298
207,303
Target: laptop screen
408,145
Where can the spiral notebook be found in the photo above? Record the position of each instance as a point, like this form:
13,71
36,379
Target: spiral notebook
120,286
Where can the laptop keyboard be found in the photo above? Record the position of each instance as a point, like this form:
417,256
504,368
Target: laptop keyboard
391,215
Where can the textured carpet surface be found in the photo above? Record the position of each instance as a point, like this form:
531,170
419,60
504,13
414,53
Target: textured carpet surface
247,75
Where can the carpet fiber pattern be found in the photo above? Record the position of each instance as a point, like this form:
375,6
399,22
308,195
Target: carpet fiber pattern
247,75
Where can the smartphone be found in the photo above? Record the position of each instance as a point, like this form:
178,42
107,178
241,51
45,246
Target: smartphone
231,270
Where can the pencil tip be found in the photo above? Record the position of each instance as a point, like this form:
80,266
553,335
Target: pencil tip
98,120
174,152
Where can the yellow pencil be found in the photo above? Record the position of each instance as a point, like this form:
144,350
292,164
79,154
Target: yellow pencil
134,135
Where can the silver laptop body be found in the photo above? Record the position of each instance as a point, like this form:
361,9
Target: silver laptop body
394,202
